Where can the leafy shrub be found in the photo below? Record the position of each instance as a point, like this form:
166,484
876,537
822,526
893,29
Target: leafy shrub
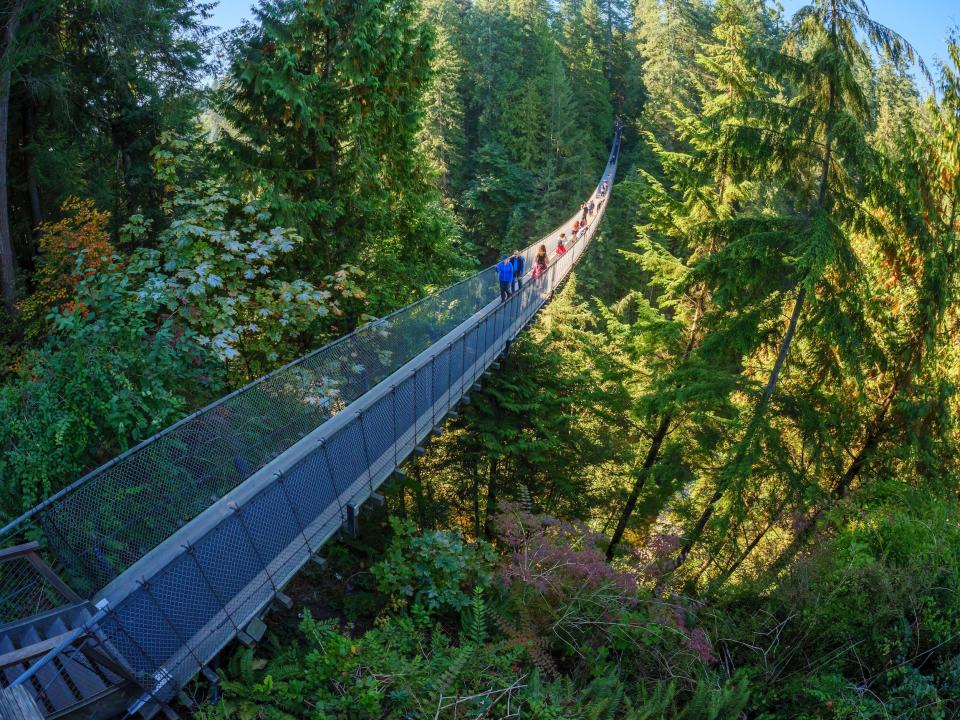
71,250
571,609
433,572
394,670
868,626
223,266
108,376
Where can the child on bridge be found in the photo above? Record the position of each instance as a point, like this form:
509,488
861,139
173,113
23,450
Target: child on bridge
540,262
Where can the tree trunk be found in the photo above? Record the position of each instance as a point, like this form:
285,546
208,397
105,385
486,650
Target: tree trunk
418,497
491,500
476,498
747,442
656,443
7,262
653,454
33,184
768,391
878,429
728,573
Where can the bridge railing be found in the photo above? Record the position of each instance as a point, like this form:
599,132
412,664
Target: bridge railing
194,532
105,522
173,610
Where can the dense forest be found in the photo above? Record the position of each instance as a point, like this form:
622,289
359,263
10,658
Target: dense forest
715,479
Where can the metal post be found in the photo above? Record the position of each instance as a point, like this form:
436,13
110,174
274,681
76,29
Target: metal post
449,375
413,394
433,400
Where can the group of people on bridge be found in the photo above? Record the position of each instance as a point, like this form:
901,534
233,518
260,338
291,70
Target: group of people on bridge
510,269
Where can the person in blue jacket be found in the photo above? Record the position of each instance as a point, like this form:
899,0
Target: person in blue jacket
517,261
505,274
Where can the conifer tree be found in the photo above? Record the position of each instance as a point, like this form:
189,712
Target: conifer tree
324,103
826,119
668,36
441,136
689,210
924,259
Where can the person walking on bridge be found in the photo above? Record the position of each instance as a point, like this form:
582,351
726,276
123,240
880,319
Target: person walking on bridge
583,214
505,275
540,262
517,261
562,244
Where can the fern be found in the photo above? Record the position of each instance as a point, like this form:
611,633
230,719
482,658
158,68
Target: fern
473,620
448,679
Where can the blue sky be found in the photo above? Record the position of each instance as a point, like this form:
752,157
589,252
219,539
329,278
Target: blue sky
923,22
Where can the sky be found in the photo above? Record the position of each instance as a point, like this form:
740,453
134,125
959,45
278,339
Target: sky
924,23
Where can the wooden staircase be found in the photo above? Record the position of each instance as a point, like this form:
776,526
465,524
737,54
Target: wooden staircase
79,676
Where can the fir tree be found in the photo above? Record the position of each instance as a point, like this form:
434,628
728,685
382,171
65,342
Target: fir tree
826,120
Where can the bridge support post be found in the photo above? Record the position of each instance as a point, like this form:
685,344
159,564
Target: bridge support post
252,633
351,524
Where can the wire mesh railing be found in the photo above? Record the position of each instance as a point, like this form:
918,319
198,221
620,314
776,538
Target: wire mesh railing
106,521
173,614
24,592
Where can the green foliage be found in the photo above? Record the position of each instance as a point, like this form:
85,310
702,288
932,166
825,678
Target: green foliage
431,573
322,107
868,625
473,619
94,84
108,376
216,263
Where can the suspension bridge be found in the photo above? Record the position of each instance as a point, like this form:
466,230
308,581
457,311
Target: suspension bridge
121,588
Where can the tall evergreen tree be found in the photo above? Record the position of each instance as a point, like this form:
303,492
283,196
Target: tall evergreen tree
826,120
324,102
690,203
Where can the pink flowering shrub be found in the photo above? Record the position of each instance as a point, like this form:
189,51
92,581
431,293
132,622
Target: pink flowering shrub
655,558
568,598
554,557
